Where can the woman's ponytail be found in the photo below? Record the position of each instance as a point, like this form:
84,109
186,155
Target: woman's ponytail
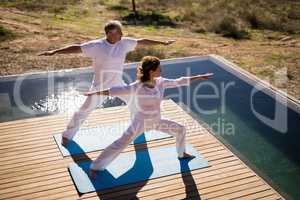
149,63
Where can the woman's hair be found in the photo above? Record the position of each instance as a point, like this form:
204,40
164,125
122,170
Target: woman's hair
149,63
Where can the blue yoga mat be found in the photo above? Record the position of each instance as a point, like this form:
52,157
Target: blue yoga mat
136,166
93,139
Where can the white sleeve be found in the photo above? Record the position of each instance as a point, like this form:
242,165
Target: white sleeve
90,48
129,43
170,83
122,90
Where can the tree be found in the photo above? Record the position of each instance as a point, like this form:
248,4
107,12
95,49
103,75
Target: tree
134,11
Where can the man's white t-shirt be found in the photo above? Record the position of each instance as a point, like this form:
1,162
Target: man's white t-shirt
108,60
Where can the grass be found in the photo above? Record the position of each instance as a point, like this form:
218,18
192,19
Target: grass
209,16
138,54
52,6
247,32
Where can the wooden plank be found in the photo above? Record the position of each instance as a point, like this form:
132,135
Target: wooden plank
44,175
62,163
57,156
271,197
132,189
31,166
242,191
36,169
36,175
42,134
39,132
109,113
55,182
49,140
268,194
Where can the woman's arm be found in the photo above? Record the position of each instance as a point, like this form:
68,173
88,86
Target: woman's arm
170,83
114,91
201,76
103,92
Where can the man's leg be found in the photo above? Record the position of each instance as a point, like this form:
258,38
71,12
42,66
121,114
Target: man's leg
79,116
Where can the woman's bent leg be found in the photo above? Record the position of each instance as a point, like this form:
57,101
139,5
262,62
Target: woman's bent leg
176,130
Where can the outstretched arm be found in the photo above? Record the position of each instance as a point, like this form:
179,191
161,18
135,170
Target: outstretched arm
114,91
170,83
65,50
103,92
144,42
201,76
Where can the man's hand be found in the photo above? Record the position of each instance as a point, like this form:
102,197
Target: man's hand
47,53
75,48
154,42
168,42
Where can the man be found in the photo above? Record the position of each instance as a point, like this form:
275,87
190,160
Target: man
108,55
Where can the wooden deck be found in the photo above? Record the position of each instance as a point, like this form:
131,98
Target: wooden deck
31,166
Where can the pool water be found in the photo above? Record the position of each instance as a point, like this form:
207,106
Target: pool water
273,153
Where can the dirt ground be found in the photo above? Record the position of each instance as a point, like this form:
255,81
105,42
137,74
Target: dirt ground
274,57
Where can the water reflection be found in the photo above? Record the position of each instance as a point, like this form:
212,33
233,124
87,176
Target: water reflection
65,102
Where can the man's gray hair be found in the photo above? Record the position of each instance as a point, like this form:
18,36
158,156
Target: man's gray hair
111,25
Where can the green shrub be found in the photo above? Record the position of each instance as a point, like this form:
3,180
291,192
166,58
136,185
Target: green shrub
229,27
5,34
199,29
139,53
118,8
285,22
150,18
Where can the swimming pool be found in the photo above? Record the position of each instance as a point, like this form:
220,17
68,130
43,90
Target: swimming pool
257,122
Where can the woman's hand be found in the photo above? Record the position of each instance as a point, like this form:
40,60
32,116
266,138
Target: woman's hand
206,76
103,92
201,76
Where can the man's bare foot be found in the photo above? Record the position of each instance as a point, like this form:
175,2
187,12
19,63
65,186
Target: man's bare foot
65,141
186,155
93,174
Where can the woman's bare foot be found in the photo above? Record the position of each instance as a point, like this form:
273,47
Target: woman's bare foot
93,174
186,155
65,141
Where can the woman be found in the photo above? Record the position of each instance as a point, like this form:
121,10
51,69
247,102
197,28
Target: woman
148,92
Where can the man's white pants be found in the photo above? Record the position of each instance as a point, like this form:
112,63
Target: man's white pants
137,127
87,107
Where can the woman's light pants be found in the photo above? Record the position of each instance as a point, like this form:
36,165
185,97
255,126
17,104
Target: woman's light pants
137,127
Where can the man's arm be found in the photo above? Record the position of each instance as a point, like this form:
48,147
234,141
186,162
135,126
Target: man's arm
65,50
142,42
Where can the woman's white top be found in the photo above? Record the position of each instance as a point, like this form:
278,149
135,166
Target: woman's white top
145,99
